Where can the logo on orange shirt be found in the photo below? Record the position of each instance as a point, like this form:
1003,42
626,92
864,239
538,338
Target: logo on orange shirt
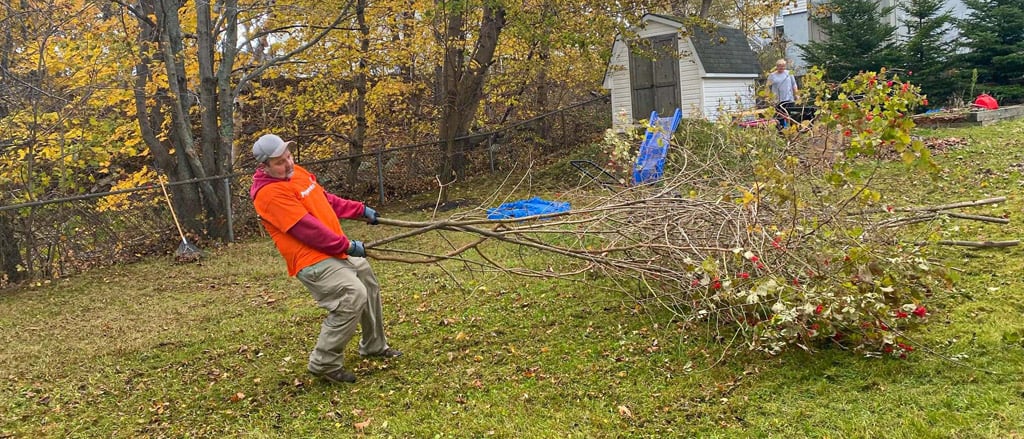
312,185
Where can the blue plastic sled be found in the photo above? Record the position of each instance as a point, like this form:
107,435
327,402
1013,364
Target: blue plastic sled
650,160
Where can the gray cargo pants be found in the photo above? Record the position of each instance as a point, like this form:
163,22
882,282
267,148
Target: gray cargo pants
348,290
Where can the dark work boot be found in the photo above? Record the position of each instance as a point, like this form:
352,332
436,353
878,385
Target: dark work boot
387,353
337,376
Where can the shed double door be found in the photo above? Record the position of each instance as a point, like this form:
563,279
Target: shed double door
654,76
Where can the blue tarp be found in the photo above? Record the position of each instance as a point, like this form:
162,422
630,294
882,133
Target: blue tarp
524,208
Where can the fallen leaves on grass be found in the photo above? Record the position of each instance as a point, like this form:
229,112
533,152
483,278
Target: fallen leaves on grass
360,426
944,144
934,145
625,412
531,372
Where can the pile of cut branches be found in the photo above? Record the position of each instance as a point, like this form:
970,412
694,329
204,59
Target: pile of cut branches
743,237
723,262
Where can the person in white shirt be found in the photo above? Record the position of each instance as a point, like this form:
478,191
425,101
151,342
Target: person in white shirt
783,87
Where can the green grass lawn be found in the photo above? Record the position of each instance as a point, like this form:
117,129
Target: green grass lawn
219,349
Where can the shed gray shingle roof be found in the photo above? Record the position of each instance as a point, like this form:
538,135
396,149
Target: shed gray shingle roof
721,49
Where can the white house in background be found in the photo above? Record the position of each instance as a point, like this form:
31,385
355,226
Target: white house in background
702,73
795,25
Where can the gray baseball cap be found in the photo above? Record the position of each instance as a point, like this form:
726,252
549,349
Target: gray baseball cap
269,146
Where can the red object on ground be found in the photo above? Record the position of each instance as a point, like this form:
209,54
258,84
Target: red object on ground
755,123
987,102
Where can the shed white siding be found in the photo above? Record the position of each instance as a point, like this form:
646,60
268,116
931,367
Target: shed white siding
655,26
727,95
689,80
617,80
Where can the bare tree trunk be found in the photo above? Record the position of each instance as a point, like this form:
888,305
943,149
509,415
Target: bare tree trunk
191,202
462,85
681,8
209,135
149,118
10,254
543,125
6,49
187,201
358,138
226,109
705,7
406,28
210,144
225,95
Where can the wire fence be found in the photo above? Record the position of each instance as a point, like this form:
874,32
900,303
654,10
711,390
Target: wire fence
55,238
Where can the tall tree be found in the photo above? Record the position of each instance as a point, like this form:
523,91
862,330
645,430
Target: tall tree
993,34
462,74
857,38
927,48
200,76
358,140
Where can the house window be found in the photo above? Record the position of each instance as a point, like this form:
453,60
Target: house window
654,76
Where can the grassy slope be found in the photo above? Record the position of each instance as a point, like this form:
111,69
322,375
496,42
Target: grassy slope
219,348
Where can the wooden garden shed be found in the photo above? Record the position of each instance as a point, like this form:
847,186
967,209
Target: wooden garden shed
704,72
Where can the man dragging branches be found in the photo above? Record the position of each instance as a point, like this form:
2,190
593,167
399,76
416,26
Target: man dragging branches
302,219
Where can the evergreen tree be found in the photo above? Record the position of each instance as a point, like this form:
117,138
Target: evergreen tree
857,39
993,34
926,49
